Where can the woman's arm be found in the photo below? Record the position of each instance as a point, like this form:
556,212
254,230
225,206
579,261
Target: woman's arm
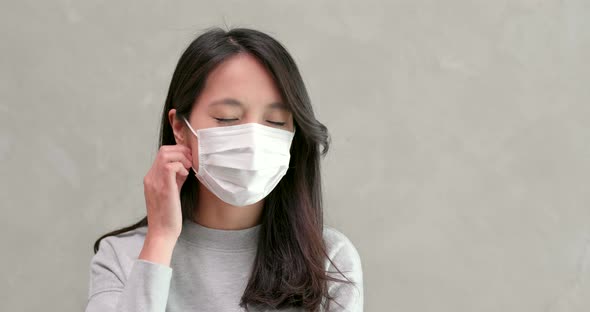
147,286
144,289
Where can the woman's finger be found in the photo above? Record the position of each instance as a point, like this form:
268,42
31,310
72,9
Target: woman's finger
172,156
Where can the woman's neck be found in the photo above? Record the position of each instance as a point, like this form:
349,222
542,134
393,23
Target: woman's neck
214,213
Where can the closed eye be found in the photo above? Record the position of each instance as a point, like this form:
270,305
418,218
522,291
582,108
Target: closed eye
277,123
226,120
234,119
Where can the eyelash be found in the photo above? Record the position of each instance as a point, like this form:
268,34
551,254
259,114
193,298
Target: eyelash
230,120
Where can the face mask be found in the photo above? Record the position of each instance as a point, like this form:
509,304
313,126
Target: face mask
241,164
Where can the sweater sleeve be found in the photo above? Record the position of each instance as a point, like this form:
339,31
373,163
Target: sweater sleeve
144,288
347,296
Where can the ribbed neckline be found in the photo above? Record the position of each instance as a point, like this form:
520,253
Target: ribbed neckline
229,240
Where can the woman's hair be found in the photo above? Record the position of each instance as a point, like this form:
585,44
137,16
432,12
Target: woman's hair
289,266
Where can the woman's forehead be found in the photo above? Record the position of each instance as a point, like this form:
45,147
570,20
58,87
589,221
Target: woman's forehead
242,81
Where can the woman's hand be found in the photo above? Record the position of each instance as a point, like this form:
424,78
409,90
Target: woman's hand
162,186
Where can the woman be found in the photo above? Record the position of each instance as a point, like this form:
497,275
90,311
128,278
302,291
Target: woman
234,208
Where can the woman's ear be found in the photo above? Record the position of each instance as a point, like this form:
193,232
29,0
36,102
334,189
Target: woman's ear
177,125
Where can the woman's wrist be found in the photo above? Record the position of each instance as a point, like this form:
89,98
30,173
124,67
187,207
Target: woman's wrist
158,248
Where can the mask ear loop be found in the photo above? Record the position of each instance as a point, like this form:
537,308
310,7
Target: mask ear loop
195,133
189,126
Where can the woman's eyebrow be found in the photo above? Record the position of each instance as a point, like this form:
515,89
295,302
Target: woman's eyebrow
227,101
235,102
279,105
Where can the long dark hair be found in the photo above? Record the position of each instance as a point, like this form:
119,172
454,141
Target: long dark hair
289,267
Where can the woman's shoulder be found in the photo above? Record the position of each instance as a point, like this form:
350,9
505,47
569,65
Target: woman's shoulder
112,264
122,249
129,240
344,258
340,248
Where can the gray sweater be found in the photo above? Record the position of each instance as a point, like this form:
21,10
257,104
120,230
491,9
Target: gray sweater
208,272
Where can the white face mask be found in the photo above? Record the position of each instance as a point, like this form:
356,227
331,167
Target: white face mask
241,164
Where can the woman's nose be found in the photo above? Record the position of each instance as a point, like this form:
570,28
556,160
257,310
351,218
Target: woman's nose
253,119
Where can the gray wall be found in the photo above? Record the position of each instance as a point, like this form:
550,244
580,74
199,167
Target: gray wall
460,158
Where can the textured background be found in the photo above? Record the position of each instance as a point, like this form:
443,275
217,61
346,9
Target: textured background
460,158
